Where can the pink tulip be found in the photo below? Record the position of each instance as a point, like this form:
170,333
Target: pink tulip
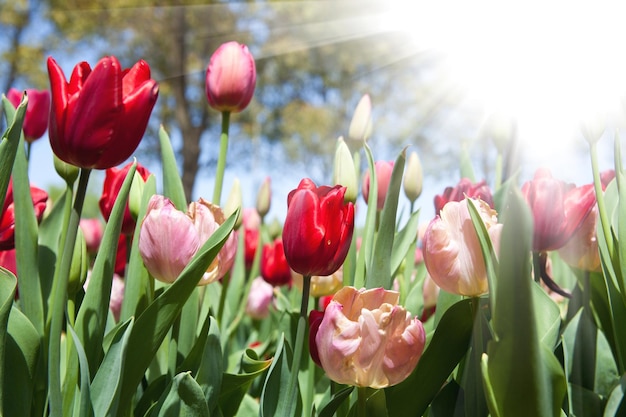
259,299
365,339
451,249
170,238
465,188
37,111
230,78
93,231
383,178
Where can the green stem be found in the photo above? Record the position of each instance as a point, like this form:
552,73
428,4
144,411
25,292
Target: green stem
604,218
292,387
536,267
221,160
59,299
361,410
220,308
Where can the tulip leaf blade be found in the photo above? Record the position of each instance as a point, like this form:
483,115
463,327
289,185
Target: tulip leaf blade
403,242
379,270
85,380
107,382
10,141
26,246
8,285
447,347
22,350
330,408
275,386
524,375
92,316
234,387
138,291
172,182
210,368
183,398
369,229
155,321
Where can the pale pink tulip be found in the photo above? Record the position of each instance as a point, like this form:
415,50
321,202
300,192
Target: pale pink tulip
451,249
384,170
259,299
366,339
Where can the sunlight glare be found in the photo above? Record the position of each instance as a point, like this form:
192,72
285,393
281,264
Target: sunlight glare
550,66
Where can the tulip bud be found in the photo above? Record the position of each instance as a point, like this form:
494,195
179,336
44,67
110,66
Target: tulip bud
384,169
80,265
264,197
136,195
413,177
37,111
260,298
68,172
593,127
92,231
230,78
366,339
345,173
234,203
361,123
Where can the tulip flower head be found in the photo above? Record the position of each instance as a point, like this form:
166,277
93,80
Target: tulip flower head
384,169
230,78
465,188
260,298
92,231
7,216
452,251
37,111
274,267
169,239
558,209
361,124
365,338
98,118
318,228
113,180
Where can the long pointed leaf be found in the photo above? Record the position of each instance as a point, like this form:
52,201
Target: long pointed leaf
8,284
10,141
172,182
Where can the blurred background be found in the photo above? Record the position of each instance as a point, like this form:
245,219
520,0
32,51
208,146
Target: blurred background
444,79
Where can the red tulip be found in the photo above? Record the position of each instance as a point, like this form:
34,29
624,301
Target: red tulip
99,117
251,228
113,180
383,178
559,209
7,221
230,78
464,188
318,228
274,267
7,260
37,111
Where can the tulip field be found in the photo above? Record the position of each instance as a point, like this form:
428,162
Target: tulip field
509,301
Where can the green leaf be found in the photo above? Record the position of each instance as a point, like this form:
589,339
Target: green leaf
172,181
329,408
448,346
107,383
369,229
379,270
22,353
154,323
403,242
85,409
92,316
138,291
538,386
449,402
209,375
235,386
8,284
275,386
184,398
616,406
10,142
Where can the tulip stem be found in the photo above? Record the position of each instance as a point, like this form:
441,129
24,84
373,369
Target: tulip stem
298,347
361,410
58,299
221,160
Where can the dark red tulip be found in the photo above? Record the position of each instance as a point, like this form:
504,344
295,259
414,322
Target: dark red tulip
318,228
274,266
558,209
113,180
98,118
315,319
7,221
37,111
7,260
464,188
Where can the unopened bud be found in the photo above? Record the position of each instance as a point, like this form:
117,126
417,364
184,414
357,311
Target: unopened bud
264,197
413,177
361,124
66,171
234,202
344,173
